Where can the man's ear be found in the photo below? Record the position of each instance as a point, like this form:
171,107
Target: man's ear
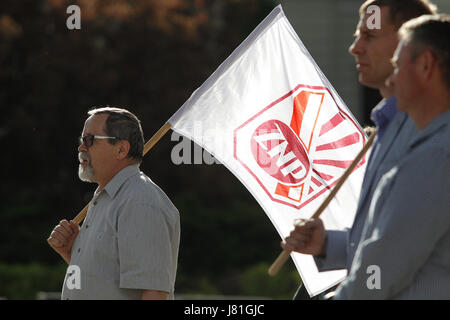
426,64
123,148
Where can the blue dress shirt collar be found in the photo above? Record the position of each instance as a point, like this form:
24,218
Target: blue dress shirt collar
383,113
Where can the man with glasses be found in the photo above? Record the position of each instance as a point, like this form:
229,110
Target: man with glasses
127,247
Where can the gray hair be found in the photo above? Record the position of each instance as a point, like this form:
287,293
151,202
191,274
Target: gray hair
124,125
430,32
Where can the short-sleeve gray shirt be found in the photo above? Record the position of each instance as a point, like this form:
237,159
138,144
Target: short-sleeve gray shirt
128,242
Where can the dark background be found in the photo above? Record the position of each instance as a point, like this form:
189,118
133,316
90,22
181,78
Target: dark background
148,57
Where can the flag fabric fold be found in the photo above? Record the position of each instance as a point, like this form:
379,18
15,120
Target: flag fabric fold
272,118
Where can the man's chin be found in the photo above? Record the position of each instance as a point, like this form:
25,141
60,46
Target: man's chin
367,82
85,174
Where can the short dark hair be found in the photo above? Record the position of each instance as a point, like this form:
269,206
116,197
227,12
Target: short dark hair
124,125
401,11
430,32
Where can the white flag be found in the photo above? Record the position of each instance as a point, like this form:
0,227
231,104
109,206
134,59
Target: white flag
272,118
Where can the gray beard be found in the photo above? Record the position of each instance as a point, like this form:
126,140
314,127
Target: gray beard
85,174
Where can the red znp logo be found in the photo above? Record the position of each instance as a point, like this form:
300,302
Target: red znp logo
297,147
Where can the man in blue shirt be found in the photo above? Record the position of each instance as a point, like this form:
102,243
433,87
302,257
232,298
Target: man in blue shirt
407,230
373,49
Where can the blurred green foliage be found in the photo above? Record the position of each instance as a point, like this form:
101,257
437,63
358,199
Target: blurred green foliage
255,282
19,281
27,281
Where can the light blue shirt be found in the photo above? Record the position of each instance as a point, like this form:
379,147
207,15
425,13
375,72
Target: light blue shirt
407,231
128,242
386,153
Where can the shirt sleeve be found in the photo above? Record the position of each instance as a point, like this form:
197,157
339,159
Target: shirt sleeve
407,218
145,248
335,251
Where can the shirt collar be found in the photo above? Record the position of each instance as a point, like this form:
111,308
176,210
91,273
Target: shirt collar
436,124
116,182
383,113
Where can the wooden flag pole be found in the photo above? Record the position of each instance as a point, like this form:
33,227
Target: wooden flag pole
284,255
150,143
156,137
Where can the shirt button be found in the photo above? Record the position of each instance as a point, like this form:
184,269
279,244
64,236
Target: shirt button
78,250
95,203
87,226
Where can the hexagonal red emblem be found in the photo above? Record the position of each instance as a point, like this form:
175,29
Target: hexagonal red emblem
298,146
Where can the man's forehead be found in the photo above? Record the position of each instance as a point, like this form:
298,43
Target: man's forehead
402,52
95,124
403,49
384,19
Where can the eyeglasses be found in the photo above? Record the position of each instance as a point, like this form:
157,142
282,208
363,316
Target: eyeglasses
88,139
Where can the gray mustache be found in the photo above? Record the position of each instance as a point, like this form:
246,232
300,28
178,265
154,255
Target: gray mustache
83,156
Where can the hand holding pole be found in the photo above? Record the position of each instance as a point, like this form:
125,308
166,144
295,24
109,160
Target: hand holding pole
284,255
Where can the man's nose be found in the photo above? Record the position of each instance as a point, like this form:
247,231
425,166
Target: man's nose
356,48
82,147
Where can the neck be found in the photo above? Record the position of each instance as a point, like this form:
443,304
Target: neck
426,111
112,173
386,92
